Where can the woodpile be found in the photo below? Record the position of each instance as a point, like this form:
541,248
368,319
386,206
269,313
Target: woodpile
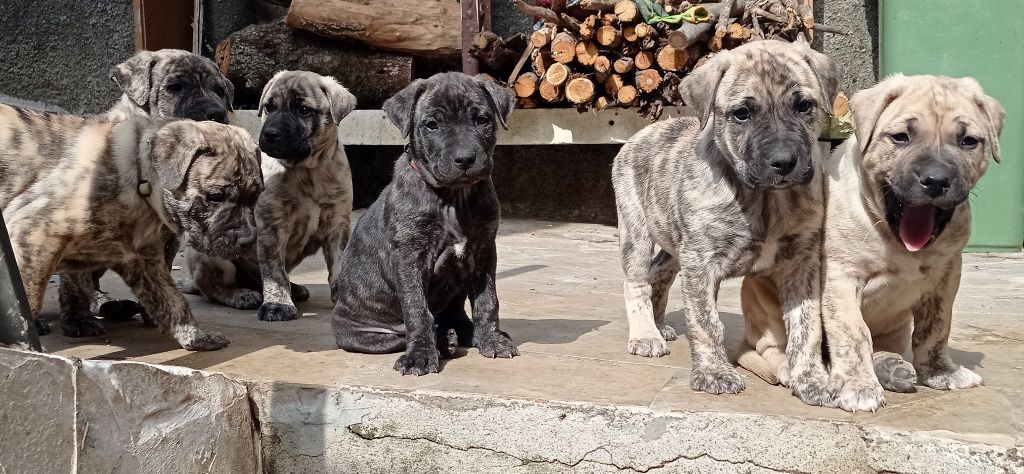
605,53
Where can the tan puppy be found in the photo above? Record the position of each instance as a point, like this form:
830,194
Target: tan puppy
897,221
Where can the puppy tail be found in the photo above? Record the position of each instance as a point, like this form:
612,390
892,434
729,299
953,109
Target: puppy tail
187,286
749,359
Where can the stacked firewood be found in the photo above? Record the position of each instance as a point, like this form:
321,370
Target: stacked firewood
596,54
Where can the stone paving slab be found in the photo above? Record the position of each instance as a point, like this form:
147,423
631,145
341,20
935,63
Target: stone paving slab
560,290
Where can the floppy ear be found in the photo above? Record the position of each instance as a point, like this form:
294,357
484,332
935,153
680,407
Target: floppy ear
174,148
341,100
700,87
502,100
996,115
133,77
867,106
401,107
229,93
266,89
827,73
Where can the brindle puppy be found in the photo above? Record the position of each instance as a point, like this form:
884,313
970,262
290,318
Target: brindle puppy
80,194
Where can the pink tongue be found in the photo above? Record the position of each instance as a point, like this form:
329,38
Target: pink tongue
916,226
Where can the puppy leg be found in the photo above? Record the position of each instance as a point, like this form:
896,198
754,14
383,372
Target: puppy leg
454,316
124,310
763,349
421,355
893,372
636,247
852,378
37,257
483,297
75,294
712,372
153,285
216,280
334,248
662,274
277,299
933,315
800,296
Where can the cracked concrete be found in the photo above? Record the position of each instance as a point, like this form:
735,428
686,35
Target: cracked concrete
575,401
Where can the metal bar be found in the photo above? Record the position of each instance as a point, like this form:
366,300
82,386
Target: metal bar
470,27
16,324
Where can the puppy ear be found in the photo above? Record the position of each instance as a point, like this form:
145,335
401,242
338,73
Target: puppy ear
700,87
827,74
229,94
266,89
176,146
401,107
996,115
867,106
502,100
342,101
133,77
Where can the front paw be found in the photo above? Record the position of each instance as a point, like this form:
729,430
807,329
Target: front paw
42,326
86,326
654,346
194,338
668,332
497,344
278,312
812,388
247,299
894,373
717,380
119,310
419,361
857,392
951,379
300,293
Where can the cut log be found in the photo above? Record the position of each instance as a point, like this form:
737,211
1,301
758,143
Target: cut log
586,53
579,90
541,37
613,83
623,65
609,36
541,62
629,33
603,102
588,27
608,19
550,92
557,74
672,59
648,42
627,12
840,106
563,48
626,95
647,80
644,30
602,65
526,84
497,54
598,5
644,60
527,103
539,12
430,29
252,55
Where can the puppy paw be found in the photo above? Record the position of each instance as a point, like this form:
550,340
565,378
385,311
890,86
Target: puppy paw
717,380
419,361
194,338
894,373
246,299
82,327
278,312
648,347
668,332
300,293
148,320
42,326
812,388
497,344
955,379
857,394
447,341
119,310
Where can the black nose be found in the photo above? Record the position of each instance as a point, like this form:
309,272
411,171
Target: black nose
271,135
935,178
217,114
783,163
465,161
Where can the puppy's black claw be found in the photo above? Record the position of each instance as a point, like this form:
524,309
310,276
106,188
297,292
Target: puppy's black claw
497,344
82,327
120,310
277,312
42,327
419,362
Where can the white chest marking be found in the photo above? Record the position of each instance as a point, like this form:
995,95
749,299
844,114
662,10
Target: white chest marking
460,249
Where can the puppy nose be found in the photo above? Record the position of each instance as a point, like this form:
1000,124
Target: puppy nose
783,163
935,179
217,114
465,161
271,135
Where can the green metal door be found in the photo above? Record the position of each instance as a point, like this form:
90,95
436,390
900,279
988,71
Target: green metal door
983,39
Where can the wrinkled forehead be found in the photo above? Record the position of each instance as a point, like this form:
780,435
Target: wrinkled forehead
767,73
935,103
293,86
452,98
181,65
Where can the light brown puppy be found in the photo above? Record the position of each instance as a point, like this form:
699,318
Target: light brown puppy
897,221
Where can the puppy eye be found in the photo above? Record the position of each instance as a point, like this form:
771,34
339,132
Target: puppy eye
741,114
173,87
805,106
305,111
901,138
969,142
431,124
483,120
215,197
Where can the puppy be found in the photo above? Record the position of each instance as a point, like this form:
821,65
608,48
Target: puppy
166,83
427,243
80,194
306,205
898,221
732,193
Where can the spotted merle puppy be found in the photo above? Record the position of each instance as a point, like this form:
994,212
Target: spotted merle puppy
427,243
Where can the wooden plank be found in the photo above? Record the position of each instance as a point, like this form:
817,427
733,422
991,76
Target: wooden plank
163,24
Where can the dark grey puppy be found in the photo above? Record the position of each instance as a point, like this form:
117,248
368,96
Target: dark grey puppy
166,83
427,243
